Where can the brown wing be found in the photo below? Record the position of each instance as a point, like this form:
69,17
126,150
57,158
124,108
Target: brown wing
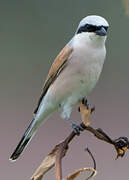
58,65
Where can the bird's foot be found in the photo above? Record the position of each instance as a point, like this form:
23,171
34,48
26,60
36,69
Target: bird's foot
77,128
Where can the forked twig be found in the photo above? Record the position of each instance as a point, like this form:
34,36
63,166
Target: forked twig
55,156
121,145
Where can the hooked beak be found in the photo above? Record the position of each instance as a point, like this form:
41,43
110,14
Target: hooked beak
101,32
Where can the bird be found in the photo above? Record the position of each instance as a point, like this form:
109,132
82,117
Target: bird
72,76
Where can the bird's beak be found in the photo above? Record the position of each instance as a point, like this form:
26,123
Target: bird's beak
101,32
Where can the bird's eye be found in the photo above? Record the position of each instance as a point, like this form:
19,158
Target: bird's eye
91,28
88,26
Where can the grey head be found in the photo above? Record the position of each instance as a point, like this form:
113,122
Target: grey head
93,24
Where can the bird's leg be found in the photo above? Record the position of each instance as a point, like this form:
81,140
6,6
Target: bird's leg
76,128
85,112
66,111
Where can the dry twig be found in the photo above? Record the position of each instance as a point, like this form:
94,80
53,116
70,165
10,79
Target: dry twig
79,171
55,157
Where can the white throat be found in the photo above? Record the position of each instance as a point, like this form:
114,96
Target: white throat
90,39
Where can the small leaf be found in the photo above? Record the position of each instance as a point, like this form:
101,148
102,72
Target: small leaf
85,113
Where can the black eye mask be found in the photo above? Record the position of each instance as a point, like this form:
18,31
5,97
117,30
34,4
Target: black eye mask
90,28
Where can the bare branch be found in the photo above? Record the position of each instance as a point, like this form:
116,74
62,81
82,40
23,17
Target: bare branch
79,171
54,158
94,172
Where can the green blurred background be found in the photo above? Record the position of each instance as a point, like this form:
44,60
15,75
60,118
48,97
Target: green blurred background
32,32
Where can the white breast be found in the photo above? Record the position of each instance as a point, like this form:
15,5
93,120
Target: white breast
88,61
79,77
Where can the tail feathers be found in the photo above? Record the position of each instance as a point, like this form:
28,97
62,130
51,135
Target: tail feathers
29,133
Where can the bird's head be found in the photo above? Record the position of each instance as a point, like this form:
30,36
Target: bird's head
95,27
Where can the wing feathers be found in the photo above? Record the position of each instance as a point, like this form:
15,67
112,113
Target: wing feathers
58,65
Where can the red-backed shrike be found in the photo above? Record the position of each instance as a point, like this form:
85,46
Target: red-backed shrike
72,76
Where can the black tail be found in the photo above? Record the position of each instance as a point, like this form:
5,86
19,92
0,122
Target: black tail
29,133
